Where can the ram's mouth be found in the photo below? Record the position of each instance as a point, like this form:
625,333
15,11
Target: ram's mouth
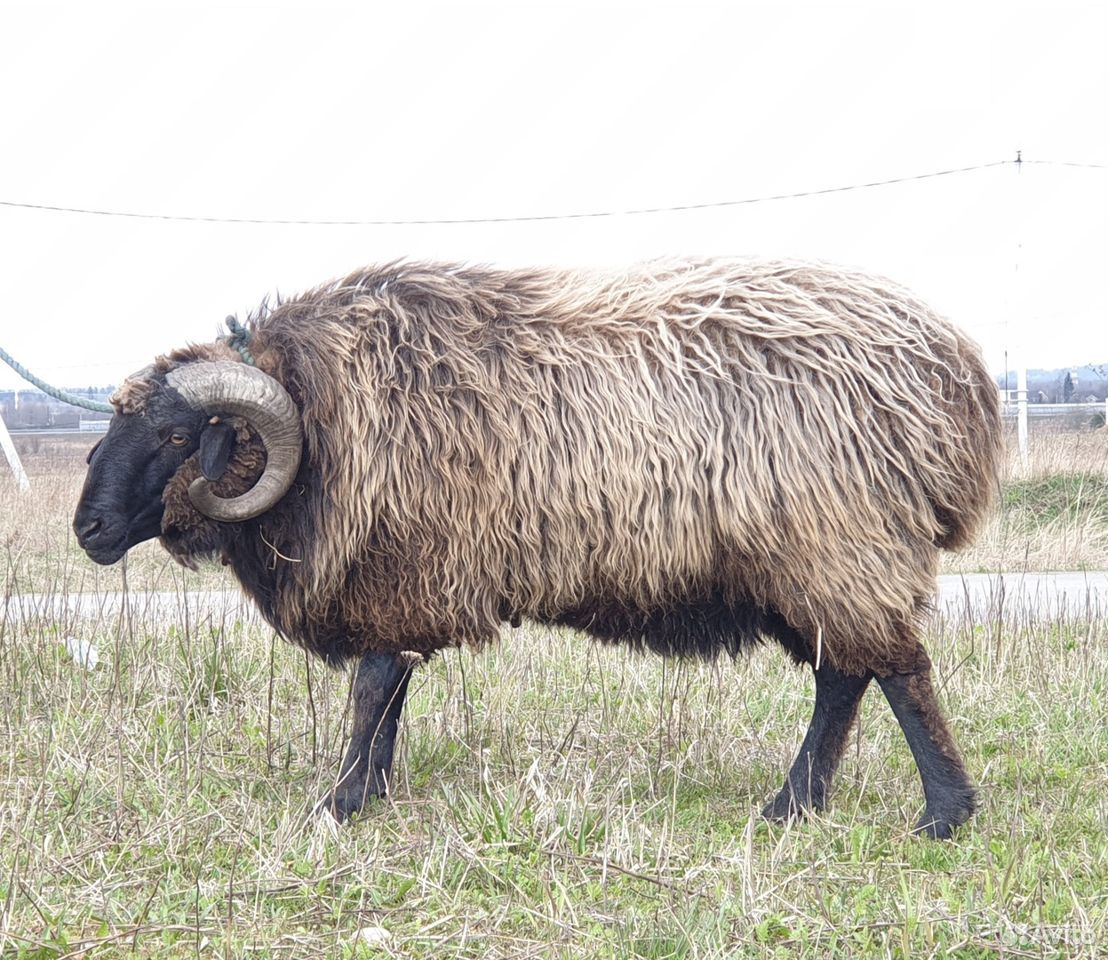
104,547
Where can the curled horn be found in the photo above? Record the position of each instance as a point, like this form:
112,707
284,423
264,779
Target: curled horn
226,387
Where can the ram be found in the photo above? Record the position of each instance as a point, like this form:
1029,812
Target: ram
687,457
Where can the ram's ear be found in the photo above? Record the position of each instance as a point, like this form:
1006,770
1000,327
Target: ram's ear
216,443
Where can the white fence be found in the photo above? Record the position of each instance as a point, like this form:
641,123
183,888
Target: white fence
1039,410
1015,404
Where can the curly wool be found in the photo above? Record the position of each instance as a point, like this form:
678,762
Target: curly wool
659,450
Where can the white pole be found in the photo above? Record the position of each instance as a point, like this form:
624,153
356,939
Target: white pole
1021,409
1022,326
13,458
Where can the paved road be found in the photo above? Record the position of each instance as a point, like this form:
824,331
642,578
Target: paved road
1034,596
197,605
1024,596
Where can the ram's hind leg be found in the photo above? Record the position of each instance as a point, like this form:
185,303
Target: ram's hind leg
380,685
809,780
950,797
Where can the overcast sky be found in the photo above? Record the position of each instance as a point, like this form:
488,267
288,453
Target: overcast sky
396,111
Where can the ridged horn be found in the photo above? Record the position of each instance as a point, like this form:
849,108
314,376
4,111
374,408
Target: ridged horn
231,388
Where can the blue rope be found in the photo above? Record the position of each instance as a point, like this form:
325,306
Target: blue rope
239,338
54,391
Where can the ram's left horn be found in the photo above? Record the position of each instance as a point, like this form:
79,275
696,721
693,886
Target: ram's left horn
230,388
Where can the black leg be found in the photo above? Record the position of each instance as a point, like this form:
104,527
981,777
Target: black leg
380,685
837,698
950,796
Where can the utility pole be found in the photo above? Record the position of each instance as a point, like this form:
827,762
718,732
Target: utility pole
1022,328
1021,410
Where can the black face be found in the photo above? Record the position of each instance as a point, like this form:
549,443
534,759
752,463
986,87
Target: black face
121,503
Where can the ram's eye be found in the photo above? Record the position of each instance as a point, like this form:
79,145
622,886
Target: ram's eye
178,439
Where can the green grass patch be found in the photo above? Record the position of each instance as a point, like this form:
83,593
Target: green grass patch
1037,501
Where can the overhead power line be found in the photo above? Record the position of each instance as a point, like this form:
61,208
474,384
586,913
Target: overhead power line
1065,163
533,218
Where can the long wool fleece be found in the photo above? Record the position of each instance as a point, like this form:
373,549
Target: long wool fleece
663,457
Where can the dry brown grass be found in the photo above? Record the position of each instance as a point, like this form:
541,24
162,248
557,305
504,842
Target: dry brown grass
1052,512
552,798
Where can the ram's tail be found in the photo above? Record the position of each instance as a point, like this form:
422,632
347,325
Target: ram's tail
973,401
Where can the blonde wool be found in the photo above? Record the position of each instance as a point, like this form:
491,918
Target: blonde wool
493,444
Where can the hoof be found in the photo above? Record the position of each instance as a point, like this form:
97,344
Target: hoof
940,820
928,826
347,800
788,806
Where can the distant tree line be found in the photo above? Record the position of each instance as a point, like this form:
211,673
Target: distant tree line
31,409
1085,384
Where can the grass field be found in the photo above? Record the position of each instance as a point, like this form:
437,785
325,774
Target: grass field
553,798
1053,510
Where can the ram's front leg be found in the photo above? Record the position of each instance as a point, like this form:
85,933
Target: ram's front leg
380,685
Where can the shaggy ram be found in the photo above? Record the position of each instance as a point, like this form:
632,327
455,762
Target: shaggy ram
687,457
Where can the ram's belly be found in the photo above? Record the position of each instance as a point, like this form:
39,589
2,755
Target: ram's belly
701,629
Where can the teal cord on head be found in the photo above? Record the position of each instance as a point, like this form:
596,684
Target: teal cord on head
240,338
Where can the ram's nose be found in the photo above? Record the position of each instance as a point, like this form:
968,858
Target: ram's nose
87,529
